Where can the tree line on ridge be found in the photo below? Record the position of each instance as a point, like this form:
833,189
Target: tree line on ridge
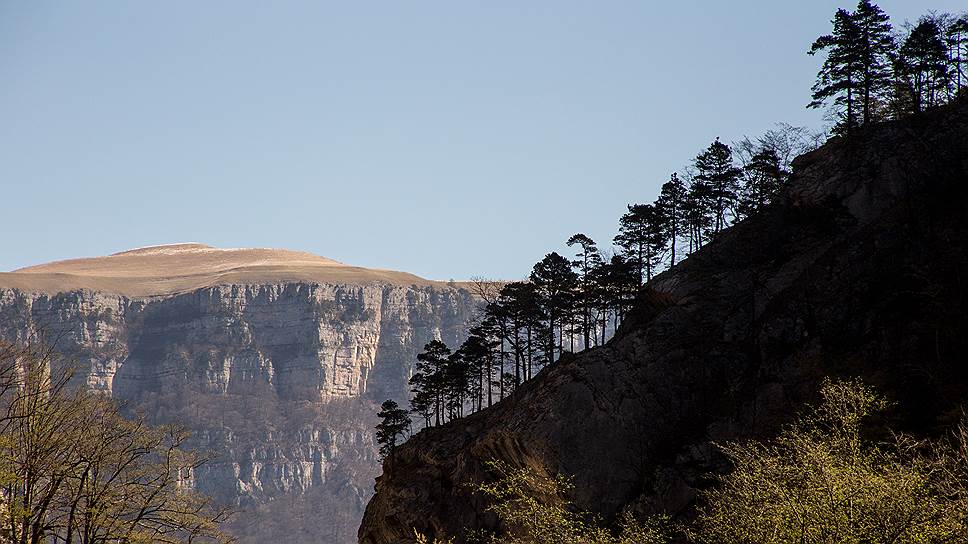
872,72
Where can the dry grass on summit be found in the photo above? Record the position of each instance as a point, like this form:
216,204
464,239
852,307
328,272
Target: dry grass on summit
169,269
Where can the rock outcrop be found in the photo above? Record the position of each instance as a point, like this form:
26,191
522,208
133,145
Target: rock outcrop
860,269
275,360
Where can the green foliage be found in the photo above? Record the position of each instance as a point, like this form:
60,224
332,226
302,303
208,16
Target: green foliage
422,539
532,509
820,482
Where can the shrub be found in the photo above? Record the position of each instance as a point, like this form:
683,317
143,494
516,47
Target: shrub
821,482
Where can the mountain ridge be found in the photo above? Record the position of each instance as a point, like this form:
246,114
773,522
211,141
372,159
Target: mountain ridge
170,269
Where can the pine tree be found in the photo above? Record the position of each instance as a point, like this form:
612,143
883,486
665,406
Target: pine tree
601,293
620,288
956,38
508,384
671,205
535,325
632,237
555,282
922,64
841,74
456,383
422,397
763,177
715,168
614,283
574,322
512,302
394,422
428,382
478,353
641,235
699,211
588,259
499,314
875,48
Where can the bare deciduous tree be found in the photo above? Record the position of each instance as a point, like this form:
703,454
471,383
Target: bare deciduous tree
74,470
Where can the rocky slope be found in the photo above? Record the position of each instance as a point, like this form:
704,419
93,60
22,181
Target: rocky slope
860,270
273,358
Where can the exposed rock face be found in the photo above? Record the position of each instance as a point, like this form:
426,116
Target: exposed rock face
860,270
278,380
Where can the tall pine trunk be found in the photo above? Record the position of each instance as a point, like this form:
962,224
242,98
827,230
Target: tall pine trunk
850,104
674,228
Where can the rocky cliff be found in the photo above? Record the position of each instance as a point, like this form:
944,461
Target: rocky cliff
860,269
274,359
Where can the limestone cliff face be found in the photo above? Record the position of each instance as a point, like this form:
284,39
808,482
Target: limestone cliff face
859,270
302,341
277,380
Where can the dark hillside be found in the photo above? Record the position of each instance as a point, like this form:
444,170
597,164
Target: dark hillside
860,270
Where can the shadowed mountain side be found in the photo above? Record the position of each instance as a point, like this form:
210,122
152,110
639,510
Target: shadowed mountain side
859,269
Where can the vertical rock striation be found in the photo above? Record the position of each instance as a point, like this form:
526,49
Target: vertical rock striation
278,380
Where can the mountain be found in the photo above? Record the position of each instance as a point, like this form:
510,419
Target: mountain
859,269
275,359
177,268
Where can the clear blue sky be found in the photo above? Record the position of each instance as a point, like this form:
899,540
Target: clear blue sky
445,138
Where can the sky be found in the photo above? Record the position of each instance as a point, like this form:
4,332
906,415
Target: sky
450,139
